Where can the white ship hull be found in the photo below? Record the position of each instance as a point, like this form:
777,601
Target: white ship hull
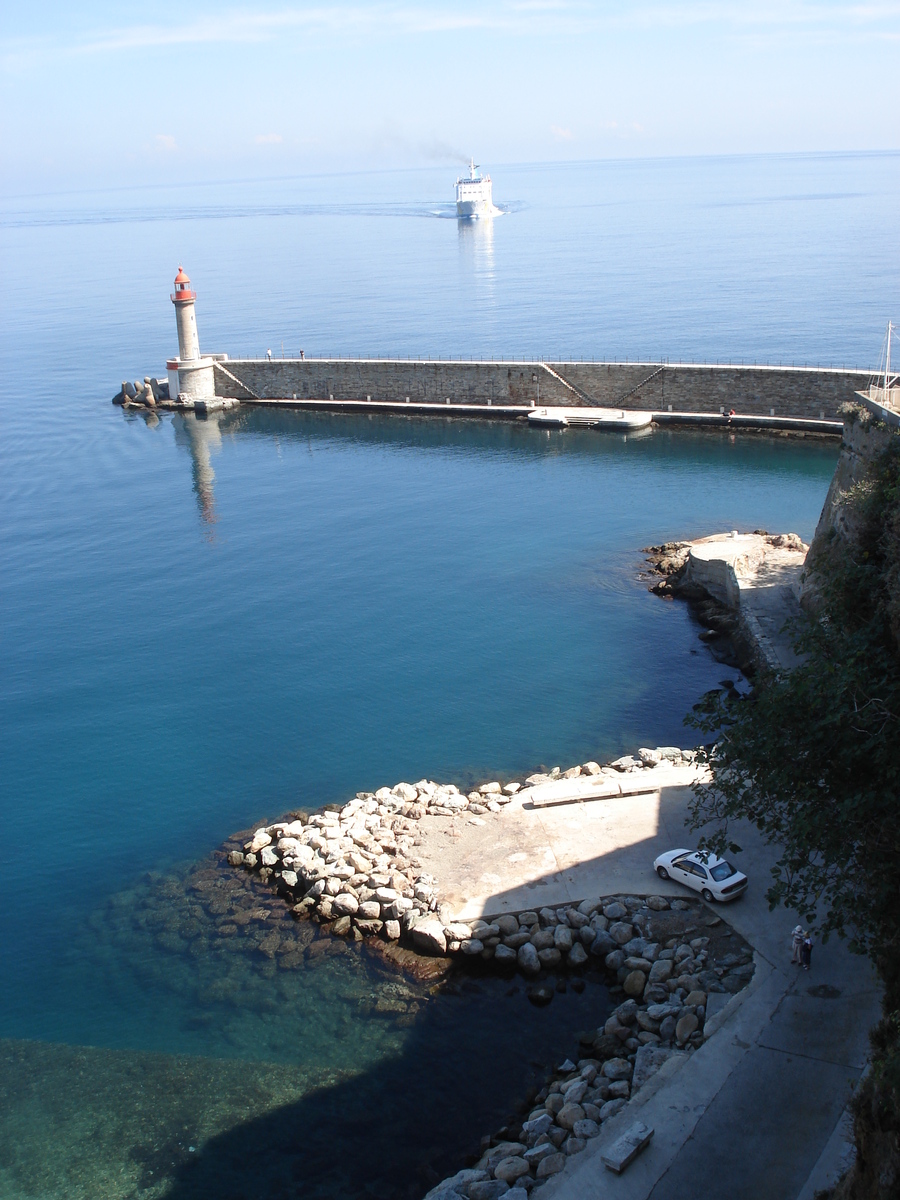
474,195
481,207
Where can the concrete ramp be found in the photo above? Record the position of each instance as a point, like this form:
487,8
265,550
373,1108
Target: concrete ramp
609,785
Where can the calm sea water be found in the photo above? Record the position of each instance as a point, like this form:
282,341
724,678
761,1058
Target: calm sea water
205,623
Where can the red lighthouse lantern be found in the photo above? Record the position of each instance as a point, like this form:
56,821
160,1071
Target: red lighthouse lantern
182,291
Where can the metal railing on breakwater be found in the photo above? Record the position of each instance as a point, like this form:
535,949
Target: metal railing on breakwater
542,359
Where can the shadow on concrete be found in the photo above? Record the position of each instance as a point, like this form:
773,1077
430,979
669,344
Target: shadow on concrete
567,852
763,1131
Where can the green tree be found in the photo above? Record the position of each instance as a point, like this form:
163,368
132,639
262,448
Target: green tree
812,757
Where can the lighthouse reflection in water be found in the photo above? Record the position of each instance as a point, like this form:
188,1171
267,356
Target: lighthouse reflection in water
201,436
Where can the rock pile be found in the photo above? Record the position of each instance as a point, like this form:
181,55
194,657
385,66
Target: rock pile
671,561
142,395
355,866
721,632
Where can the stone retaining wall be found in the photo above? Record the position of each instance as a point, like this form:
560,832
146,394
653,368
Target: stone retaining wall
809,393
865,438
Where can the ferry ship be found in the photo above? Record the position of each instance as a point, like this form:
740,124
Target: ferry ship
473,194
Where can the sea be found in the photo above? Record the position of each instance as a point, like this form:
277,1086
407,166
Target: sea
207,626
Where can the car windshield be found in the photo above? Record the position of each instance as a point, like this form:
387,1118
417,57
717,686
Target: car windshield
722,870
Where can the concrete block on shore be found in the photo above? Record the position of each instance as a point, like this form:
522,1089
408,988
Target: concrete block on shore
625,1150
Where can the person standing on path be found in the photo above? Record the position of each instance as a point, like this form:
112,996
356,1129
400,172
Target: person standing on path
796,943
806,952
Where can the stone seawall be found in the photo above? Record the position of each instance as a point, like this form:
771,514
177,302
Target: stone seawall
805,392
866,438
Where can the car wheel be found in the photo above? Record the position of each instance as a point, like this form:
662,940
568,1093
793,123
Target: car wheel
662,872
707,895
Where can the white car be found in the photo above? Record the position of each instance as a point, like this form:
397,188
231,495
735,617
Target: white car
714,878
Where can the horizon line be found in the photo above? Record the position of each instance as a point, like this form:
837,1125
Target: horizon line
885,152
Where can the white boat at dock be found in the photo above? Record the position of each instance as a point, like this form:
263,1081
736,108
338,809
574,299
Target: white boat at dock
621,419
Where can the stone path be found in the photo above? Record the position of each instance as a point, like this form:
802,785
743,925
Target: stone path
757,1105
769,607
780,1103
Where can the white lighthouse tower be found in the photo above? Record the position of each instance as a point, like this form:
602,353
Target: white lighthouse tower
191,376
183,298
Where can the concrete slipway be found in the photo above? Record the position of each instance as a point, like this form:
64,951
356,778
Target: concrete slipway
757,1111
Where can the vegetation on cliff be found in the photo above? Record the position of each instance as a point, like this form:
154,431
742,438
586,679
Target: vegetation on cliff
812,758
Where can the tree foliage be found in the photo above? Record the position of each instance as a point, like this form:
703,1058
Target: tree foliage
812,757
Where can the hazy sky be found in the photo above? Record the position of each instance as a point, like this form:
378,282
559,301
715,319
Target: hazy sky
111,93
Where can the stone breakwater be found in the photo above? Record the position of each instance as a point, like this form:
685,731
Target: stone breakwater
148,394
355,870
809,393
794,398
355,866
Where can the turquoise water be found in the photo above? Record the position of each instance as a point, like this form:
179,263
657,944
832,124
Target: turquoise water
205,623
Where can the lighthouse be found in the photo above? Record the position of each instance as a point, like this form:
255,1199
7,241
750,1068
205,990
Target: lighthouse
183,298
191,376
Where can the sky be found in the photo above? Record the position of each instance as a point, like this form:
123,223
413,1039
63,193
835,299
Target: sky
102,93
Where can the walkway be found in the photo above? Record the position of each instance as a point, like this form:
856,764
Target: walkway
526,857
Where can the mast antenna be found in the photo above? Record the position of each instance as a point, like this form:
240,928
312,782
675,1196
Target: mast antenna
887,362
883,380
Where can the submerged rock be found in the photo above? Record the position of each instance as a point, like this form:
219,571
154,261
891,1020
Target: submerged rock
422,969
541,996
